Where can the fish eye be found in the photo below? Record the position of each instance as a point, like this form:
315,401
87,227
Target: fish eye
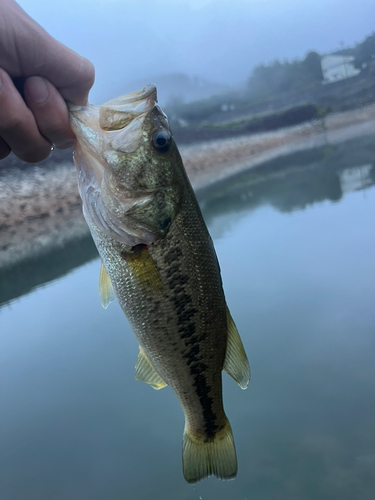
161,141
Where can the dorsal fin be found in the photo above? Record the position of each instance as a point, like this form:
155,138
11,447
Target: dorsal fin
107,295
145,372
236,363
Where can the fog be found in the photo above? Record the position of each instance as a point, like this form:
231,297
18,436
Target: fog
219,41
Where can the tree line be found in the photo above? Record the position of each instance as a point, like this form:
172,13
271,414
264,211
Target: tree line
279,77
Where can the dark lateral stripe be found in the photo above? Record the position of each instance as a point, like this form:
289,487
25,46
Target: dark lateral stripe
203,390
186,315
187,329
172,255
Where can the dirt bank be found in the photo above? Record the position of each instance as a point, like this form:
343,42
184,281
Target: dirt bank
211,161
40,205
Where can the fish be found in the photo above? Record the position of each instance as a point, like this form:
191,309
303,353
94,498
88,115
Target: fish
159,261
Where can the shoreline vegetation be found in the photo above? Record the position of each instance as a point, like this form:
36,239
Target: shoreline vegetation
281,94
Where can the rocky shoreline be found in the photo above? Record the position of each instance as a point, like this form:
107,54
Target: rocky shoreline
40,205
206,163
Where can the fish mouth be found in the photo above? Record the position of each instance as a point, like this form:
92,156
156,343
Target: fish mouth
148,93
113,115
132,101
118,125
118,113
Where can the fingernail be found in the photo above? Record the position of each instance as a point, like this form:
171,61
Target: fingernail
37,89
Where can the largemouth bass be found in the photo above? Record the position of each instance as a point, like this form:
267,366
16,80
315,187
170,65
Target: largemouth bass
158,260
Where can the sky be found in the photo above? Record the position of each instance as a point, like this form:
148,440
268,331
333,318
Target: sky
218,40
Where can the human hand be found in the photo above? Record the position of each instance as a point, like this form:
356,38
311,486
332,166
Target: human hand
52,72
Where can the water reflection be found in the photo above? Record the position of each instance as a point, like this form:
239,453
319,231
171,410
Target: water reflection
74,424
27,275
288,183
295,181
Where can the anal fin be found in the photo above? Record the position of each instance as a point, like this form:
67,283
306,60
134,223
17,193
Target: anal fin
107,295
236,363
145,372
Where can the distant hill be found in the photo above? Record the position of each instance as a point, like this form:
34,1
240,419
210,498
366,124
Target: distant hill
178,87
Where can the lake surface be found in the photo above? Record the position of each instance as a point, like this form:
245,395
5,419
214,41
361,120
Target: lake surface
296,245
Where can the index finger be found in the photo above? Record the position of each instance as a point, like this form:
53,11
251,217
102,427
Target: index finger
18,128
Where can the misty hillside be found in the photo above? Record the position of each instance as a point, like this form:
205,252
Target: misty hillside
177,87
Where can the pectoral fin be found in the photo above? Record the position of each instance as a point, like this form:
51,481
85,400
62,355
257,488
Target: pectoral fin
236,363
107,295
145,372
143,269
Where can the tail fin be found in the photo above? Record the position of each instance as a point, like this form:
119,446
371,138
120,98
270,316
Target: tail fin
213,458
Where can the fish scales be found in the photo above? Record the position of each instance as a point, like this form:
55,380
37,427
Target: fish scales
160,261
187,317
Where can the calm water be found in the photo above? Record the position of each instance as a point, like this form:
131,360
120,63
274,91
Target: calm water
297,253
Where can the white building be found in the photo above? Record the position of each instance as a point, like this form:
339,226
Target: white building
336,68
